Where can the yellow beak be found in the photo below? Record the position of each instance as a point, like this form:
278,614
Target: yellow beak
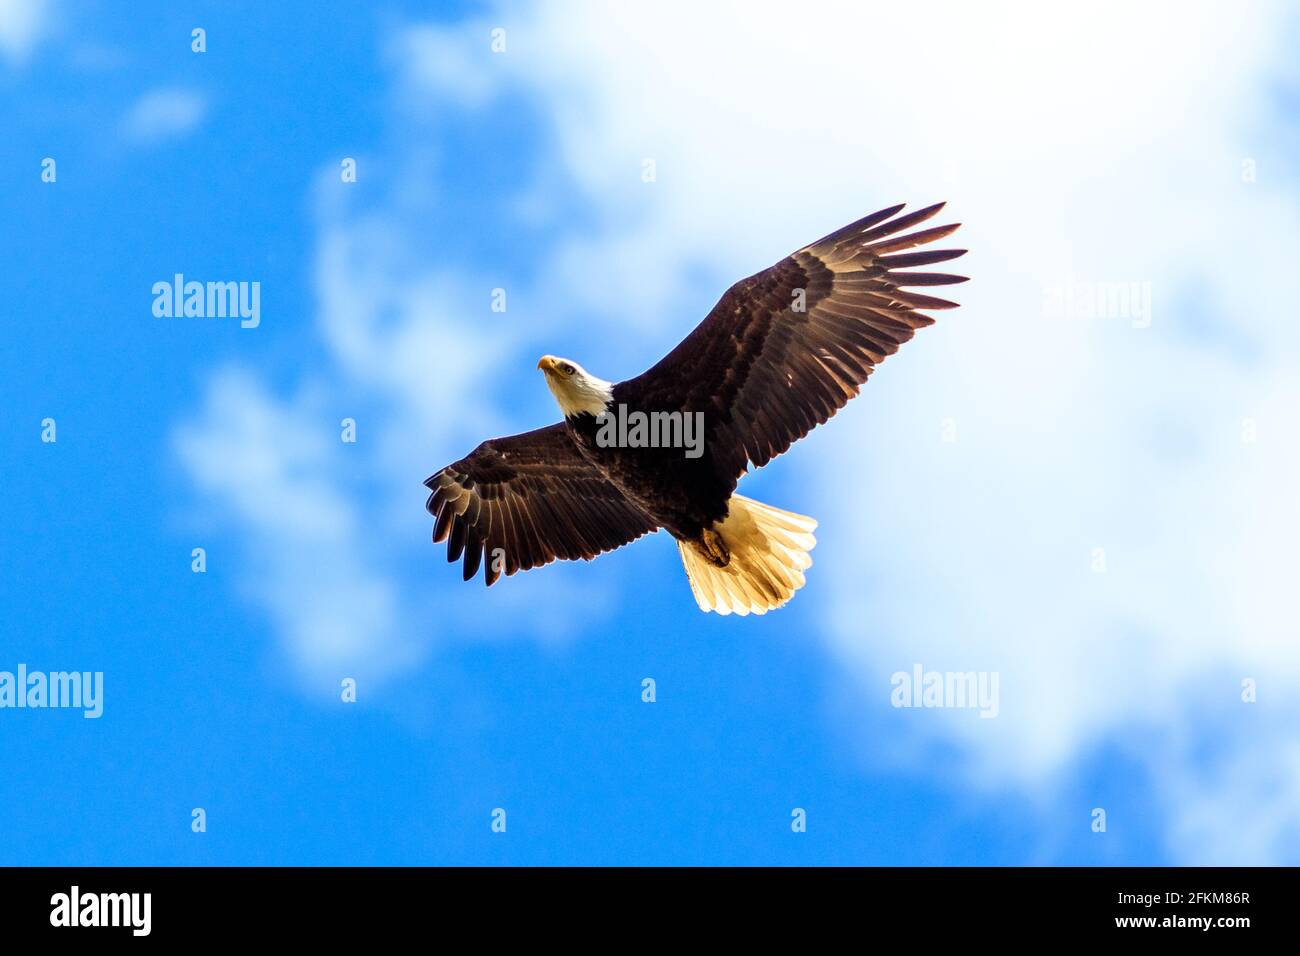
547,363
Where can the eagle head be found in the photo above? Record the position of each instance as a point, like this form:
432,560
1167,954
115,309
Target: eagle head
576,389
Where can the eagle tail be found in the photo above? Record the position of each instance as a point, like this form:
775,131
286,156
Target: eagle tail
768,556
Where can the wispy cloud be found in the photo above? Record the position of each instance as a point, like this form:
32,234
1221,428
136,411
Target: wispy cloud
164,114
269,463
448,61
23,24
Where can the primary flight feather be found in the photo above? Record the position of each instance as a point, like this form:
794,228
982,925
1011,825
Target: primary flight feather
779,354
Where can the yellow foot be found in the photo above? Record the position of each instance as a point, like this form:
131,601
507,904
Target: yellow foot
714,548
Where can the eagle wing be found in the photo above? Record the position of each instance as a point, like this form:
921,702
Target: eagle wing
524,501
785,349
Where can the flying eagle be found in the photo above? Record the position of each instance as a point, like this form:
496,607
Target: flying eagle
780,353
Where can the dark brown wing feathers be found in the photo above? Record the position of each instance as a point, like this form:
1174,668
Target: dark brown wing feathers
766,368
527,500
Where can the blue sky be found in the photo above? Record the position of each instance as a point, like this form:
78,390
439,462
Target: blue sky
1094,502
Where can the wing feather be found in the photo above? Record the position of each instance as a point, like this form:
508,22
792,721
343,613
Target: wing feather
531,499
766,368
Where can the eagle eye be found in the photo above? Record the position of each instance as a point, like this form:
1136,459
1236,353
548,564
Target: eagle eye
567,369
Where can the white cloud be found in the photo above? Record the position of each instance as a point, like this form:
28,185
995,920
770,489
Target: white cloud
164,114
1087,143
274,464
447,60
23,24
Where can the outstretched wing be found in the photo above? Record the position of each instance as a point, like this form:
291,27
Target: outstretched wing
785,349
524,501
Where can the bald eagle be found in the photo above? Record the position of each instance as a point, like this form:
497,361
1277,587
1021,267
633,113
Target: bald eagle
780,353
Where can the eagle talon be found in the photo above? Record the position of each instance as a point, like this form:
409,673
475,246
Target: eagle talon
713,548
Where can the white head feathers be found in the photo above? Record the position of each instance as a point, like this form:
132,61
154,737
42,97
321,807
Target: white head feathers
576,389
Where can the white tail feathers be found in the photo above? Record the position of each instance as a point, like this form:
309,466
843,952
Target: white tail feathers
769,554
